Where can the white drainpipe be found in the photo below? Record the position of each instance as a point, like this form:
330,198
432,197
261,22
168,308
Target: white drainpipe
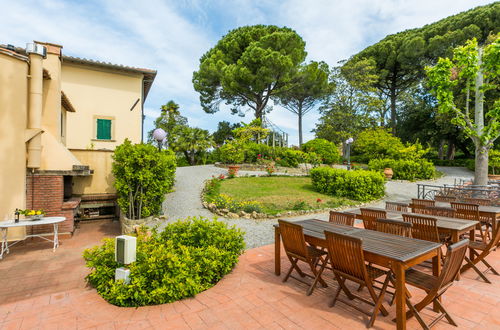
36,54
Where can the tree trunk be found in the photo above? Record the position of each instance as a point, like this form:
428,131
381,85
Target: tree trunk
393,98
450,154
300,130
441,149
481,172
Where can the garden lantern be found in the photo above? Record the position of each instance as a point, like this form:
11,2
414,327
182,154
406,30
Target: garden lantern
348,143
159,135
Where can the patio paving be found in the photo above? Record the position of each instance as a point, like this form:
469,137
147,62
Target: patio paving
45,290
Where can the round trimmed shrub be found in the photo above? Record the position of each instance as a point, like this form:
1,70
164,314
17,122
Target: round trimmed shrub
327,150
405,169
360,185
188,257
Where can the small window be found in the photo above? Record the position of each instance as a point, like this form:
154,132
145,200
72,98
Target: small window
104,129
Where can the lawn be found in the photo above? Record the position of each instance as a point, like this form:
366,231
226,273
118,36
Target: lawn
278,194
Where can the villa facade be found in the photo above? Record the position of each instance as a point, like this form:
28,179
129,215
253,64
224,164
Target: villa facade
61,118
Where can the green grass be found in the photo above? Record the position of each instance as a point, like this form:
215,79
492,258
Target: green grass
278,194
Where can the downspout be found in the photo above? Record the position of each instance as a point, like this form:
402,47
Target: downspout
36,54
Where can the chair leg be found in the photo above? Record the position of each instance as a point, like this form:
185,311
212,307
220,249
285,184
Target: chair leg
493,270
378,302
294,265
417,315
344,287
473,266
445,312
336,296
288,274
317,277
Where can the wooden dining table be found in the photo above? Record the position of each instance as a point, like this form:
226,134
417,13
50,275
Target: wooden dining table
395,252
453,226
485,211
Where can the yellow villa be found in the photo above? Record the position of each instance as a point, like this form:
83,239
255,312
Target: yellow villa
61,118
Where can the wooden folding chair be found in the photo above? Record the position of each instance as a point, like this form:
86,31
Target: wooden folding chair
424,228
296,249
418,205
348,263
397,206
479,251
342,218
394,227
478,201
446,199
471,212
370,216
435,286
440,211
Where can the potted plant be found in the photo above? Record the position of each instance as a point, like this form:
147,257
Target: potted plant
388,173
232,154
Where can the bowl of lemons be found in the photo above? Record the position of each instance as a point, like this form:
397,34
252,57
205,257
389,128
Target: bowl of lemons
33,214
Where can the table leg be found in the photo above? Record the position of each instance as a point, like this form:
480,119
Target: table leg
455,237
56,237
472,237
5,244
399,271
277,251
436,271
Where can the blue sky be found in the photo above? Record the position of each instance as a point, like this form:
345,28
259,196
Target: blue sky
171,36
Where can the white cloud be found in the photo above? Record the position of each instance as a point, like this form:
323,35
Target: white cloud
170,36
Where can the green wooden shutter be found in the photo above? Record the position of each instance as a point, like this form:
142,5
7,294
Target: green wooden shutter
104,129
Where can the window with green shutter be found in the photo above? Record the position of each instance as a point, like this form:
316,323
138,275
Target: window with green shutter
104,129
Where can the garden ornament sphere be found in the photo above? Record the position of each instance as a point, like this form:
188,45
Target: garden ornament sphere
159,134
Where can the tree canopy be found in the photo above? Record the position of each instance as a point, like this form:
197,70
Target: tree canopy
475,70
247,67
310,86
400,58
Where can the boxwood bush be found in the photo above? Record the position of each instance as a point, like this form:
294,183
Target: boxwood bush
327,150
405,169
359,185
188,257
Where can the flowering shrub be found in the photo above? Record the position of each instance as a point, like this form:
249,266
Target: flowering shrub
270,169
222,201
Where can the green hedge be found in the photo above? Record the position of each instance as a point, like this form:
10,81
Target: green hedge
327,150
405,169
188,257
359,185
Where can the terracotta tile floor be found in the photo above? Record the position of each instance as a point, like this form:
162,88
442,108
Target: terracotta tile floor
42,289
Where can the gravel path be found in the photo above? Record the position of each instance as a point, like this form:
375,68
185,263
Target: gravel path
185,200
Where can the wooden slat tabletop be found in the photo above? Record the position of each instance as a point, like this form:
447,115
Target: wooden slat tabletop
442,222
393,247
482,208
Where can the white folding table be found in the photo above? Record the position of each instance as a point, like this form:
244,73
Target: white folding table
5,225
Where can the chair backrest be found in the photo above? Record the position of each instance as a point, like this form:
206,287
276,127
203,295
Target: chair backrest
418,205
346,254
448,199
440,211
478,201
424,228
293,238
452,264
397,206
394,227
493,243
466,211
369,217
342,218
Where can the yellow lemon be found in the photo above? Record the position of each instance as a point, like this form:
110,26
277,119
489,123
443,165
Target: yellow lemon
38,212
